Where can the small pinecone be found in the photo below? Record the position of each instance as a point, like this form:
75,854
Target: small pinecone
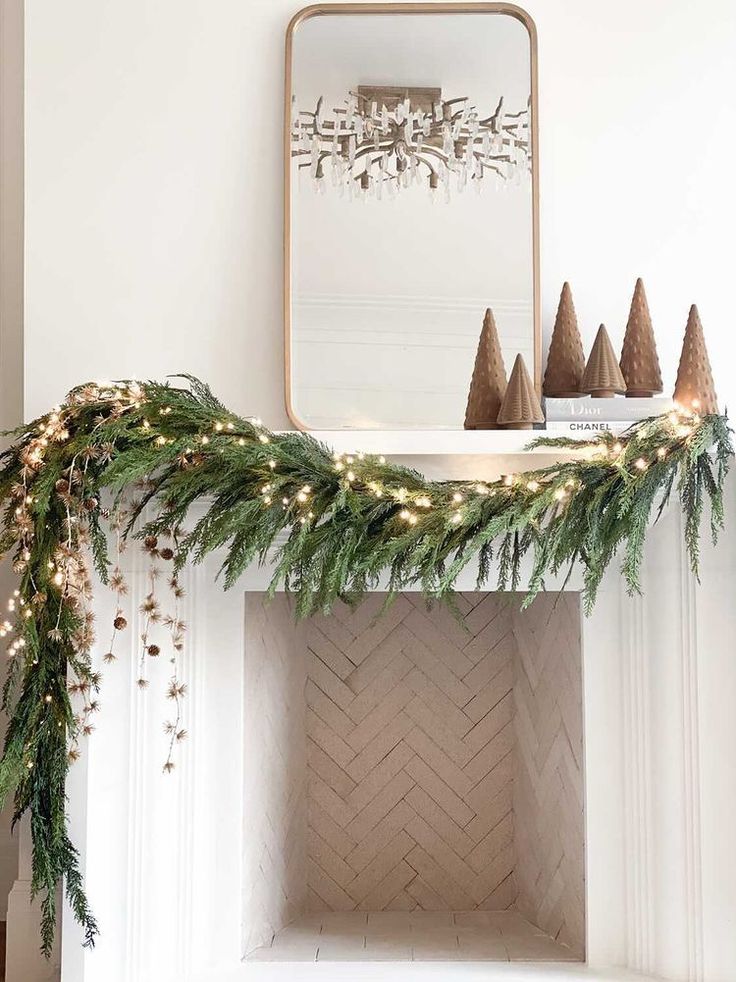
153,650
120,623
62,486
90,504
166,553
150,542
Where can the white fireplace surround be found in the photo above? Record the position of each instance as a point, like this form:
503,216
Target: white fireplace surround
163,854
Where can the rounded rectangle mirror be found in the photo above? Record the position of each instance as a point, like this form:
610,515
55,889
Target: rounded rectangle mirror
410,208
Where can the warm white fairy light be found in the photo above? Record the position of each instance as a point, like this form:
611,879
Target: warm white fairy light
508,480
271,463
263,438
423,501
560,494
533,485
662,453
350,476
641,464
456,518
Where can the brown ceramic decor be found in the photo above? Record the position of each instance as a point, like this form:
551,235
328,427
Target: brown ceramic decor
488,384
602,377
639,361
565,361
520,408
694,387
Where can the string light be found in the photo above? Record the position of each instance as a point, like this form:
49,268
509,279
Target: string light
641,464
533,485
457,497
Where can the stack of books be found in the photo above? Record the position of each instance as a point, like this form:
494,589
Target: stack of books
586,415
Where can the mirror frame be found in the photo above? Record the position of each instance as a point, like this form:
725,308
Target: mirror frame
318,9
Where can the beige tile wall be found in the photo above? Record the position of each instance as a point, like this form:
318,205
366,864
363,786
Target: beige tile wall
274,882
548,768
440,759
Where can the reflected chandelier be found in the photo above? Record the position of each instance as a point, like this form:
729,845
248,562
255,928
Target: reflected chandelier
395,137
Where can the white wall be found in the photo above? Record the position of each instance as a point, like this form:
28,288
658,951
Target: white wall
11,313
153,183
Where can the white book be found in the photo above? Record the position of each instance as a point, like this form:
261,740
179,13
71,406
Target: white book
617,407
583,427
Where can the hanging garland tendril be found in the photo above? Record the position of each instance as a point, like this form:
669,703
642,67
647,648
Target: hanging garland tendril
334,526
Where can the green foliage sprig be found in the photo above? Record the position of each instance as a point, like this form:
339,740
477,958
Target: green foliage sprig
334,526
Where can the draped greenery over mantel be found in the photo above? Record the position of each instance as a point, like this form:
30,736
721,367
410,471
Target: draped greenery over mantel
75,482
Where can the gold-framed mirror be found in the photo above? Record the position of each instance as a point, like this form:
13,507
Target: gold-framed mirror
411,205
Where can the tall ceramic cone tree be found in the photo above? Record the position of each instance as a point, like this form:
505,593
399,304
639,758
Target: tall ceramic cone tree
565,361
520,408
694,387
639,361
488,384
603,377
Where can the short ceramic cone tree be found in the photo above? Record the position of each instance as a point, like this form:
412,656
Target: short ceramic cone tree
565,361
488,385
639,361
694,387
520,408
603,377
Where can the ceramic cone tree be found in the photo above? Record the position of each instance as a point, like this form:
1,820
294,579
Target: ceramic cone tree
639,361
520,408
565,361
694,387
602,377
488,385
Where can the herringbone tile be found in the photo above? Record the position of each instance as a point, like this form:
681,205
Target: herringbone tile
548,783
445,761
408,744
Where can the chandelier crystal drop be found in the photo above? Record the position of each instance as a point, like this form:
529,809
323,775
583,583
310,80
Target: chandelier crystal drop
388,139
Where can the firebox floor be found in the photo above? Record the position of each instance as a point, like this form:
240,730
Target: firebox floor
500,936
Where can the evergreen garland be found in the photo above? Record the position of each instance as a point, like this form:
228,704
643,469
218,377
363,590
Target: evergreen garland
350,524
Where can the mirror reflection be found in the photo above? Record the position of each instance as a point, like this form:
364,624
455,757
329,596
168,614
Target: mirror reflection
411,212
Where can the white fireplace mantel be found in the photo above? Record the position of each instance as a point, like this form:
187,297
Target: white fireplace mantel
162,854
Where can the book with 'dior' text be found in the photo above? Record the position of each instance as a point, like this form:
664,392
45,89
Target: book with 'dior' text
616,408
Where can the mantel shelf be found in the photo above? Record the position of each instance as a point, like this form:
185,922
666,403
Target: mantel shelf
411,443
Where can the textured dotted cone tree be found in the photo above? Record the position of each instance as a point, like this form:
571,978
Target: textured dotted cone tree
639,361
603,377
694,387
520,408
566,360
488,384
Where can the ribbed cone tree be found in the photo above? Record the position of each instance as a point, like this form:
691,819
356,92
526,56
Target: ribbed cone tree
603,377
694,387
520,408
565,361
488,384
639,361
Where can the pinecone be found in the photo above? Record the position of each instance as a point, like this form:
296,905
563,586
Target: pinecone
166,553
120,623
62,486
150,542
153,650
90,504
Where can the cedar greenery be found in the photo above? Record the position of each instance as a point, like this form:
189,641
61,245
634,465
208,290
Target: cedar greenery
334,526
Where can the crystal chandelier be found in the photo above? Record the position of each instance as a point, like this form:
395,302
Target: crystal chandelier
391,138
